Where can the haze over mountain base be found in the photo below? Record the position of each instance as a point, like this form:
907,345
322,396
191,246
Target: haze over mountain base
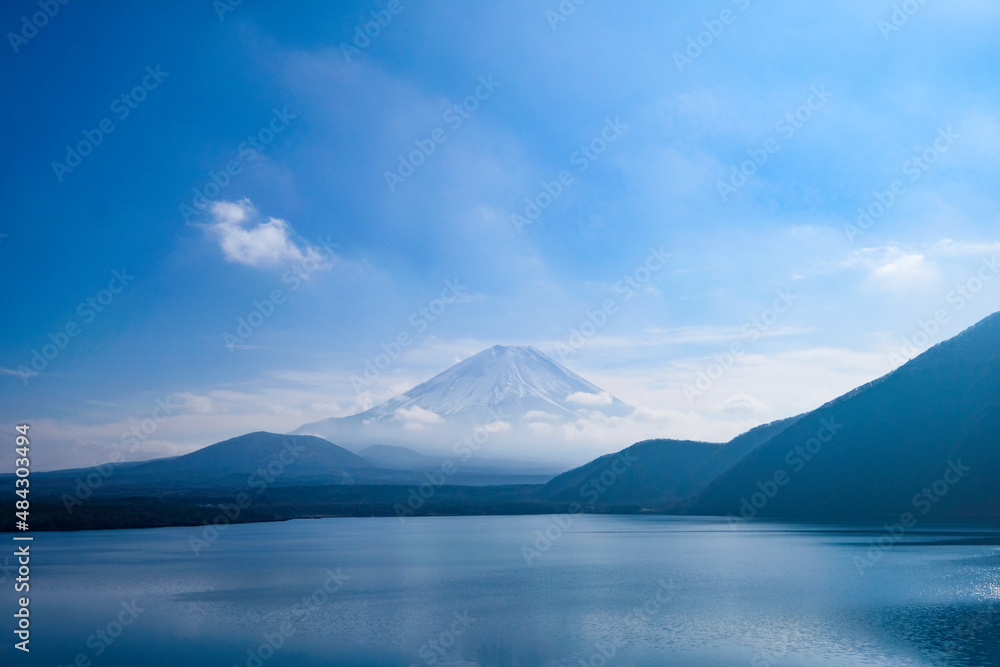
505,402
919,444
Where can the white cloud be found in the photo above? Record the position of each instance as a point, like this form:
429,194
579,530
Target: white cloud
905,272
198,404
892,268
541,428
952,248
583,398
265,244
416,418
497,426
742,405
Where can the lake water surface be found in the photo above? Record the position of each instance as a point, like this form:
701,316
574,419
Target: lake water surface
617,590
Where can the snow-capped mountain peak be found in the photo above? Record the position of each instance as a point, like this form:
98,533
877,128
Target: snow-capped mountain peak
513,377
517,385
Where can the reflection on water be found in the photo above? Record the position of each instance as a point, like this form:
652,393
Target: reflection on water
515,591
960,634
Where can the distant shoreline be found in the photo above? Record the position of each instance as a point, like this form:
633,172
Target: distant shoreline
201,507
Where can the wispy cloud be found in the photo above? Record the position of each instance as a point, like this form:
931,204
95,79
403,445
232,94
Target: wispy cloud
17,373
895,269
952,248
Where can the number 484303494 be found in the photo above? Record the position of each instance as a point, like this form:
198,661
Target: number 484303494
22,464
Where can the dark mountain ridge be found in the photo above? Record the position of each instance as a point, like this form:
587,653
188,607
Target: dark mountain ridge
924,439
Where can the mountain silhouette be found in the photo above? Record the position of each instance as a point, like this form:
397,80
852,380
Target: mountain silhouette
923,440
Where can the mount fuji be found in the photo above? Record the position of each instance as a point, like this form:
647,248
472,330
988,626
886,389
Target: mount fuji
515,398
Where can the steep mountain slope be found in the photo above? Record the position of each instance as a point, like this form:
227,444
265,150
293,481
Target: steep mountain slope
653,474
924,440
656,474
736,449
520,393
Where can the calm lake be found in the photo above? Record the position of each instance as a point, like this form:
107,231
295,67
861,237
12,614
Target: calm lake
513,591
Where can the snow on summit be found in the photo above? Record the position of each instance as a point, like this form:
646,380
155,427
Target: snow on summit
519,379
523,395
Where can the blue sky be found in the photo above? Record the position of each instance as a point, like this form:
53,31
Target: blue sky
626,125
